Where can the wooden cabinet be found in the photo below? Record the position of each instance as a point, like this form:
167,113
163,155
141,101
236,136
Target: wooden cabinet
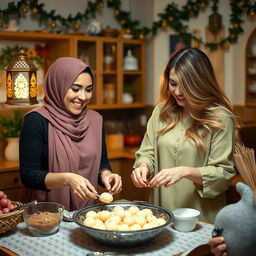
10,180
250,80
105,55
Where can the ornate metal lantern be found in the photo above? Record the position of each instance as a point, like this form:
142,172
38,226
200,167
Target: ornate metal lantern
21,82
215,22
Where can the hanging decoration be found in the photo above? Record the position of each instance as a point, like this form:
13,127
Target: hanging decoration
215,19
21,82
173,17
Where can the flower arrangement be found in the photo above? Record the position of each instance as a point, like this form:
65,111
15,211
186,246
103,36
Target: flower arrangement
10,125
10,53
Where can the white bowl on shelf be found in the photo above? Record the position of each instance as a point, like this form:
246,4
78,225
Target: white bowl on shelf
253,49
252,70
252,88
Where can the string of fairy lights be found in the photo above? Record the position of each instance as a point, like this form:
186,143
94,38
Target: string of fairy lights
174,17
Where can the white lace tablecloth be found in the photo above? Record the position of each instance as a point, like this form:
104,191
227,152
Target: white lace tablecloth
71,240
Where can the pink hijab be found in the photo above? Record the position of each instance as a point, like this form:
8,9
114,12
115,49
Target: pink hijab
74,141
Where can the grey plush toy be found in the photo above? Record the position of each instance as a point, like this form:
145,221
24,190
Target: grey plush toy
237,223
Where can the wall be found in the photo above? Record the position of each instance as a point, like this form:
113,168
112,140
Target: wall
158,46
234,57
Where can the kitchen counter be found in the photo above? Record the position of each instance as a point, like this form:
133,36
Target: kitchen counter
72,240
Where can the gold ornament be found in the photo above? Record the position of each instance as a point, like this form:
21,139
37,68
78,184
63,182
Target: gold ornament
235,25
23,9
128,31
252,13
34,11
196,44
191,13
76,26
196,31
240,4
141,36
117,12
110,1
53,24
122,22
170,18
1,24
202,5
101,4
164,24
232,36
226,45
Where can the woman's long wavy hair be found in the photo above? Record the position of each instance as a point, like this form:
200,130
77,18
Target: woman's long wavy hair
203,95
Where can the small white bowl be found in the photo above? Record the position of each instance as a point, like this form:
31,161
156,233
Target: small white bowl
252,70
185,219
252,88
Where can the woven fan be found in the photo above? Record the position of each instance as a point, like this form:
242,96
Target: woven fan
245,163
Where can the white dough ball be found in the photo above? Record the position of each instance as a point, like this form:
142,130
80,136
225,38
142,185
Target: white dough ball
104,215
135,227
118,208
106,198
91,214
161,221
147,226
129,220
123,227
134,209
89,222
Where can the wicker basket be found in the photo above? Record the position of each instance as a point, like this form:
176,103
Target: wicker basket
9,221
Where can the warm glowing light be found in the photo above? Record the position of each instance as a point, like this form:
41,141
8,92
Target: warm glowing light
21,87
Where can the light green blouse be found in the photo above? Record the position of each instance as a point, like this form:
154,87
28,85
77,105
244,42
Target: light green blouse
173,149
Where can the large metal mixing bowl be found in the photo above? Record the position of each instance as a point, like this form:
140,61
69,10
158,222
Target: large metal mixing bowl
123,238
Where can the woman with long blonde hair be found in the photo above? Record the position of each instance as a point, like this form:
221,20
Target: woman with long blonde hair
186,153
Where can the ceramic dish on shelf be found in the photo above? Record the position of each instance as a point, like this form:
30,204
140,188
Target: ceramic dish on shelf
252,70
252,88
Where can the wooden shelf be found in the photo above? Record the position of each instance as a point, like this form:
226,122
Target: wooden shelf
8,165
92,49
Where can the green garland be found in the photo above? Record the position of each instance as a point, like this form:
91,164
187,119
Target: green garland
172,17
10,53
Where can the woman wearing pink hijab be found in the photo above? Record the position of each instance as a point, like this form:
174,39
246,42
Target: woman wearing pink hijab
63,153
